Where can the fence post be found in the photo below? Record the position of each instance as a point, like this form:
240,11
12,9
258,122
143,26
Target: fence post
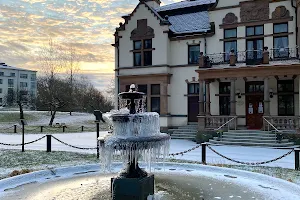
297,151
98,129
64,128
41,129
15,128
204,153
82,128
48,143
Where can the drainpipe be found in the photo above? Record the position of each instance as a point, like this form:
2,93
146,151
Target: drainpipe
295,7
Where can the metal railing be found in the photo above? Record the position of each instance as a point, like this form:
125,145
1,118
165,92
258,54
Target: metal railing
254,56
228,124
270,124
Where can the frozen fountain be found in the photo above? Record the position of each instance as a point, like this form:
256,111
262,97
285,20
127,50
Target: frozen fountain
136,135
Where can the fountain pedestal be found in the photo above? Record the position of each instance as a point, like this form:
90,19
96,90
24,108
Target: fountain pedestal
132,188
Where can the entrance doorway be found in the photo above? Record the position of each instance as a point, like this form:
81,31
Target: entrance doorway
193,108
254,51
254,104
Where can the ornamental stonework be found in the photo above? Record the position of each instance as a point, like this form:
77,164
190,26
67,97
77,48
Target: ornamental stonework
280,12
254,10
230,18
142,31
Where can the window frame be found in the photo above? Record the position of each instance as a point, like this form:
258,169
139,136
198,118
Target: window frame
189,53
142,51
285,94
224,96
254,27
232,40
276,52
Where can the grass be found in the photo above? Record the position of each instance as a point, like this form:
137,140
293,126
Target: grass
48,129
8,117
17,161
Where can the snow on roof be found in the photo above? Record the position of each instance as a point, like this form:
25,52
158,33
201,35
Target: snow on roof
189,23
3,66
184,4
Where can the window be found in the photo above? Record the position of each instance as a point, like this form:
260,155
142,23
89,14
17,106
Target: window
155,104
194,52
285,90
10,82
0,90
33,85
33,77
155,89
1,81
193,88
144,89
23,84
12,74
142,52
155,99
224,98
281,43
230,45
23,76
255,87
254,30
1,73
1,101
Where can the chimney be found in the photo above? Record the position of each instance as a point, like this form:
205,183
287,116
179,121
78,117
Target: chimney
152,3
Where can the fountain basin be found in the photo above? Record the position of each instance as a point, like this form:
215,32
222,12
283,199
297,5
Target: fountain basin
173,181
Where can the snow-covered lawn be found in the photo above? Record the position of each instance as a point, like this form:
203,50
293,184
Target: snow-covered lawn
38,118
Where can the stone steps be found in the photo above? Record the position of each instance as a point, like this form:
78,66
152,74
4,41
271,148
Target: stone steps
250,138
288,144
187,132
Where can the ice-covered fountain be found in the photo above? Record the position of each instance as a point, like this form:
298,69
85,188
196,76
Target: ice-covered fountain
136,135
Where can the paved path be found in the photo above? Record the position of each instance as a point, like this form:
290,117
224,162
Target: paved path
88,139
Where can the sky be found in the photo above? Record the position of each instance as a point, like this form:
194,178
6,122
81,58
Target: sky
26,26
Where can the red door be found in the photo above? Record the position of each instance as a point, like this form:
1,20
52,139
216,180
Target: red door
193,108
254,111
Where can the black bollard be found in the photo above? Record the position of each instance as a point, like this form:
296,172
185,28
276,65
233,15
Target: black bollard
41,129
15,128
297,151
203,153
23,135
48,143
64,127
82,128
98,129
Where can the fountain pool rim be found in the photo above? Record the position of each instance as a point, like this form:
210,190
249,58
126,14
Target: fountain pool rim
171,168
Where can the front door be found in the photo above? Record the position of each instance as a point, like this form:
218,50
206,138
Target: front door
254,111
193,108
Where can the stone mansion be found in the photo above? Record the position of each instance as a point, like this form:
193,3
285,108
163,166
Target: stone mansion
213,61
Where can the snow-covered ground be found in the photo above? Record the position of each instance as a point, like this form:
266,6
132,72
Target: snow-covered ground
43,118
88,139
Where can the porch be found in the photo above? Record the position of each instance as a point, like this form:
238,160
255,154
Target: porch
262,94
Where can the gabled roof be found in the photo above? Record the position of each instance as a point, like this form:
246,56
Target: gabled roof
184,4
190,23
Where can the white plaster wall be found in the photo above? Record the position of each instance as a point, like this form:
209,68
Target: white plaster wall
164,121
214,45
178,121
178,102
160,42
145,70
214,106
241,102
179,50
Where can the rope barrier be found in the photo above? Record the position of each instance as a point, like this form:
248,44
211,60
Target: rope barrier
250,163
183,152
26,143
7,128
83,148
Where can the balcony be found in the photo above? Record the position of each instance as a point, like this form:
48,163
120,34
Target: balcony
253,57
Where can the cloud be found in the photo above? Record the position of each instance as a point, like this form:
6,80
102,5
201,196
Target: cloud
88,25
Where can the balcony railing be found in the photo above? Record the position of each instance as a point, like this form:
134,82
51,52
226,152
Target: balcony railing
250,57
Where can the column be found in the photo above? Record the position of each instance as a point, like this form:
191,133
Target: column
232,97
266,97
164,98
207,95
201,116
201,98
